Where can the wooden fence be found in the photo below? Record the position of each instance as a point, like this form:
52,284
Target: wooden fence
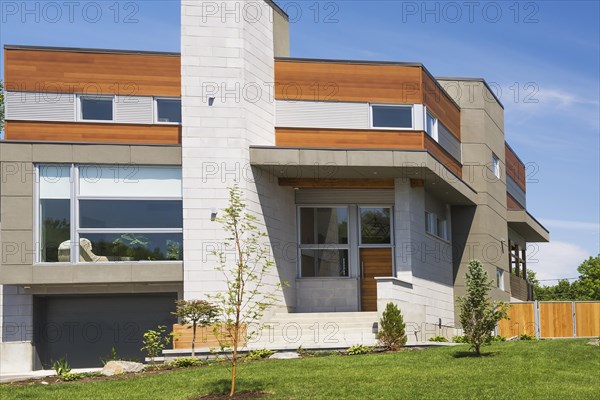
552,319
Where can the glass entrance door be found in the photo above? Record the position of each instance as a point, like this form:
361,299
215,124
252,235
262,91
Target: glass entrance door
375,252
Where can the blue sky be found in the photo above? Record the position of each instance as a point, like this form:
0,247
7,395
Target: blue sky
550,50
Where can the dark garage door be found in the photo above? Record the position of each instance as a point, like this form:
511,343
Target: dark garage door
83,329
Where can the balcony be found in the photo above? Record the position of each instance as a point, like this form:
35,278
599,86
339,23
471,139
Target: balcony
520,288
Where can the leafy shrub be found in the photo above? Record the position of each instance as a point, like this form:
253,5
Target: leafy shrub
61,367
459,339
498,338
70,377
527,337
359,349
185,362
439,339
259,354
392,331
155,342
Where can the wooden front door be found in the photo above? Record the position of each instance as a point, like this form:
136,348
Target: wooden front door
374,262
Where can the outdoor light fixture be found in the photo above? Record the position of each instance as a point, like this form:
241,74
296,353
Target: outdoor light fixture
211,101
213,214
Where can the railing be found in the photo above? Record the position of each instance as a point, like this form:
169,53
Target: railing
520,288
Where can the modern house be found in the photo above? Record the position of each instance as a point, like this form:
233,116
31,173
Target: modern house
374,181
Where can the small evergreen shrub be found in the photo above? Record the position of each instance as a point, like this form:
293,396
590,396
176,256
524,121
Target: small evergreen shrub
478,314
498,338
439,339
259,354
359,349
185,362
392,331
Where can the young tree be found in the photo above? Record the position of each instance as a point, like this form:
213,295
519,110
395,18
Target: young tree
155,341
392,330
479,315
197,313
247,295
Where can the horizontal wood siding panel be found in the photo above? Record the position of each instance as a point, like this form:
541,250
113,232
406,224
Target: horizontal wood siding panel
449,142
84,72
26,106
515,168
441,105
134,110
337,183
512,204
92,132
340,138
312,114
321,81
344,196
442,156
515,191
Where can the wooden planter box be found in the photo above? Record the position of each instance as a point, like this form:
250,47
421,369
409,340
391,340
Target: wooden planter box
205,337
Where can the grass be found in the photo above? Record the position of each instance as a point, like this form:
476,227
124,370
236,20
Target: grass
553,369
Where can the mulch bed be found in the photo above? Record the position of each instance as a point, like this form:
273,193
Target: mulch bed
54,380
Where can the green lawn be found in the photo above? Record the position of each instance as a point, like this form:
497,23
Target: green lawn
559,369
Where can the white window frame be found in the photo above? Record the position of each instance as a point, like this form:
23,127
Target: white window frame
79,109
76,231
412,116
434,134
500,278
155,110
496,168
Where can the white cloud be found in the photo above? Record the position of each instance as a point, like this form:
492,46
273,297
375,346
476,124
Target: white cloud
555,260
563,98
574,225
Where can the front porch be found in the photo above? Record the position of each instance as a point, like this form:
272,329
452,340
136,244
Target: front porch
371,226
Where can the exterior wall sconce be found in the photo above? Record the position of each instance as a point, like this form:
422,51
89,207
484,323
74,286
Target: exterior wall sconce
213,214
211,101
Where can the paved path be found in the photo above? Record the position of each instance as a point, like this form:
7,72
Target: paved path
6,378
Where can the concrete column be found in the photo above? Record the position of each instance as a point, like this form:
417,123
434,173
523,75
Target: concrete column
227,72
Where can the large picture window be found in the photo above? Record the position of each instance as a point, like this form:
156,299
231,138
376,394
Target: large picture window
324,242
120,214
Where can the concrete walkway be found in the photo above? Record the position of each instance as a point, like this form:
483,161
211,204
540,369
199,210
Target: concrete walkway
7,378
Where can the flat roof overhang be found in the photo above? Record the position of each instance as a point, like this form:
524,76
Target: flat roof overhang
327,163
525,225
